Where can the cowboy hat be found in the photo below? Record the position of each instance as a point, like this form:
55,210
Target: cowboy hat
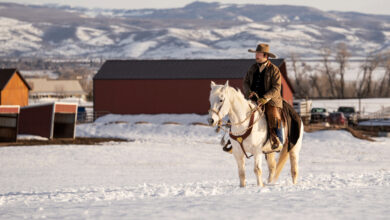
262,48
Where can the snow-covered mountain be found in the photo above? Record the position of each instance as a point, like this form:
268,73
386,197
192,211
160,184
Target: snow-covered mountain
198,30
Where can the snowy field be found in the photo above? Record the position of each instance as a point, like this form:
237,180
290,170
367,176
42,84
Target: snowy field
181,172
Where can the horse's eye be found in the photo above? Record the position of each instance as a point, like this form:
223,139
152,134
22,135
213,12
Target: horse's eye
220,100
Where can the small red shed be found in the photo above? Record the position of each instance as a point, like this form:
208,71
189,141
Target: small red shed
168,86
9,116
50,120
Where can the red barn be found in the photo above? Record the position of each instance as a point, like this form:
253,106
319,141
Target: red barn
168,86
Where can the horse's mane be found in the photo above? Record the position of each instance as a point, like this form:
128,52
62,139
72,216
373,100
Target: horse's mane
233,91
238,94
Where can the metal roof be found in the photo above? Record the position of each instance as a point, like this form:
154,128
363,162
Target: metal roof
42,85
177,69
6,75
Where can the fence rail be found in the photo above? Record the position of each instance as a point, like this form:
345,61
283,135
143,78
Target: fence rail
89,115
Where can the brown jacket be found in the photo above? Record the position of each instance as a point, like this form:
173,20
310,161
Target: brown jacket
272,80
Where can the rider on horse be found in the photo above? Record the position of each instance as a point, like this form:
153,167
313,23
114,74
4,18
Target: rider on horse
262,84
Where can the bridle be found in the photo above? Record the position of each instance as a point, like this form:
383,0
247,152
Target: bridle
221,123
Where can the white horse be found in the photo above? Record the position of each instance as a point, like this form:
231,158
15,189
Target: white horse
225,100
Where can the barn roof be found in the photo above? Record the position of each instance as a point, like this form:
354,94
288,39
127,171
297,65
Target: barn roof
177,69
43,85
6,75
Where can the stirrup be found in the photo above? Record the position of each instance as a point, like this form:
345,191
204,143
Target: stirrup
273,149
228,147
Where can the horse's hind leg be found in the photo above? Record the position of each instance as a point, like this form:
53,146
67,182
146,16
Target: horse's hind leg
241,168
294,159
271,166
257,169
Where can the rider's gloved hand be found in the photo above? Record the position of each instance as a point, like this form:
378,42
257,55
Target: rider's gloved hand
262,101
252,94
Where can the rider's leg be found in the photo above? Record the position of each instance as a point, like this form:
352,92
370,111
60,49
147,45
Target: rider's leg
279,132
274,124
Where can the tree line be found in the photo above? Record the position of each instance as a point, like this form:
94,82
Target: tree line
327,78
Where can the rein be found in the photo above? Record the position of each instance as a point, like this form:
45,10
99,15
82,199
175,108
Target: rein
226,124
240,138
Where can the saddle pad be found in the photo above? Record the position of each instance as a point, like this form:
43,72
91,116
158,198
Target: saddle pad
293,121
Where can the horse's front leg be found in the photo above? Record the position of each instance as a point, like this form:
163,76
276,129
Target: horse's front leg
257,169
241,167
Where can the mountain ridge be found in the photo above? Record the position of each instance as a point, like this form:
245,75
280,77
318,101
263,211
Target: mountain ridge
197,30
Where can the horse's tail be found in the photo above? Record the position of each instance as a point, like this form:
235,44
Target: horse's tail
281,162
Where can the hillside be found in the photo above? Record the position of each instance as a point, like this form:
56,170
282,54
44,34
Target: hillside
198,30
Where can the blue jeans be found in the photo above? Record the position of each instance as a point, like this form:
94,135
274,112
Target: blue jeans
279,133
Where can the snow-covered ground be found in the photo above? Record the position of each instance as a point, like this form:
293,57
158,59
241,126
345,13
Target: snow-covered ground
180,172
79,101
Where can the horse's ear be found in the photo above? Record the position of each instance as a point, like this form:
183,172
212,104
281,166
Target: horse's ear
212,84
226,84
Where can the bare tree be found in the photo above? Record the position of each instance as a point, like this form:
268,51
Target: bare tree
387,75
301,82
342,56
364,86
314,80
384,84
326,52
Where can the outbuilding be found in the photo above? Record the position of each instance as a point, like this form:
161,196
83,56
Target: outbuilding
50,120
55,88
168,86
13,88
9,116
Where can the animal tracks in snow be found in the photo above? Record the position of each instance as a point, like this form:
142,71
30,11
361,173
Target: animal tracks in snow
198,189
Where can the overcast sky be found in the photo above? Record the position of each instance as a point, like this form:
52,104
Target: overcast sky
364,6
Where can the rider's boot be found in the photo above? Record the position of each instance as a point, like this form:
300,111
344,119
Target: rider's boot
278,140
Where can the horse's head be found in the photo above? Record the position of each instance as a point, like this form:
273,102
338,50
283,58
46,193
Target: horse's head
219,103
